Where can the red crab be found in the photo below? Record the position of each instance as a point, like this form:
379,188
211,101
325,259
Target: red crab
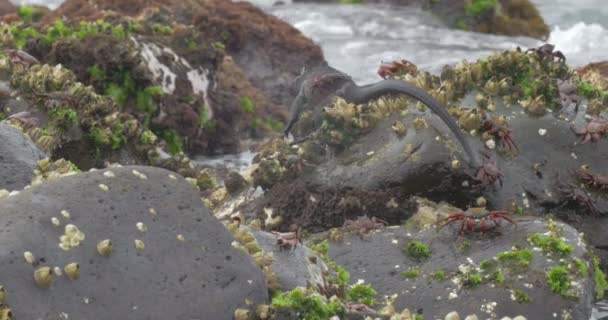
592,180
569,191
488,173
21,57
390,68
364,224
501,132
288,240
475,219
594,130
546,50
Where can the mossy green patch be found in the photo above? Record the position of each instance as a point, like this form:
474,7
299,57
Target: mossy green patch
311,306
417,250
551,243
473,279
175,142
521,296
497,276
559,280
411,273
599,278
580,267
26,13
439,274
475,8
516,259
362,293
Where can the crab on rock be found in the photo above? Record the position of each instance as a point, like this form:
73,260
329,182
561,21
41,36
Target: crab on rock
546,50
488,173
594,130
474,219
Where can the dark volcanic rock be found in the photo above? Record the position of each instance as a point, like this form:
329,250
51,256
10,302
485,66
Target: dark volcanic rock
19,158
268,50
199,276
458,257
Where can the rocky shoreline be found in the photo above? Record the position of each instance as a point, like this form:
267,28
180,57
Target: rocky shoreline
372,211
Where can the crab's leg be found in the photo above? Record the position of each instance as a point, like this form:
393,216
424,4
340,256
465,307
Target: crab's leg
482,225
470,224
450,219
462,226
502,214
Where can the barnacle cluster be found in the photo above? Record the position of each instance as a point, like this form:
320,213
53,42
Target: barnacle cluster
71,237
47,170
246,242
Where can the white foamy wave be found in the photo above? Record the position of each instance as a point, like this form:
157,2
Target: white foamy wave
585,42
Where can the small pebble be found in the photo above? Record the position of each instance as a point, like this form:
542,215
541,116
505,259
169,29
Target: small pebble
520,318
180,237
55,221
152,212
471,317
103,187
542,132
109,174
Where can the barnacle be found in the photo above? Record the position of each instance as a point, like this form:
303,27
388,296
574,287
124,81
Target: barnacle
104,247
72,270
43,277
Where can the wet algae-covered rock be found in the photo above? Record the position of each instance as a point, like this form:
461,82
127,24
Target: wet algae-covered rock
131,242
536,269
19,158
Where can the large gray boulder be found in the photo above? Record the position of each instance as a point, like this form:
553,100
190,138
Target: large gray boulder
415,281
184,267
18,158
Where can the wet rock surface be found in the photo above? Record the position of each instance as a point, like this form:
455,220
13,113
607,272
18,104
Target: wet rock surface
19,158
295,267
183,268
457,257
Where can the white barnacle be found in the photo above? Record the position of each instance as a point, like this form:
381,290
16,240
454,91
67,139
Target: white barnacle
491,144
57,271
65,214
139,174
29,257
180,237
103,187
152,212
139,245
542,132
141,227
55,221
171,176
109,174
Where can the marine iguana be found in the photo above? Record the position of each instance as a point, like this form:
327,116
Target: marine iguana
324,82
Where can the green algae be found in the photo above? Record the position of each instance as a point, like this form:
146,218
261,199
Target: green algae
311,306
476,8
551,243
521,296
516,259
559,280
362,293
411,273
599,278
417,250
